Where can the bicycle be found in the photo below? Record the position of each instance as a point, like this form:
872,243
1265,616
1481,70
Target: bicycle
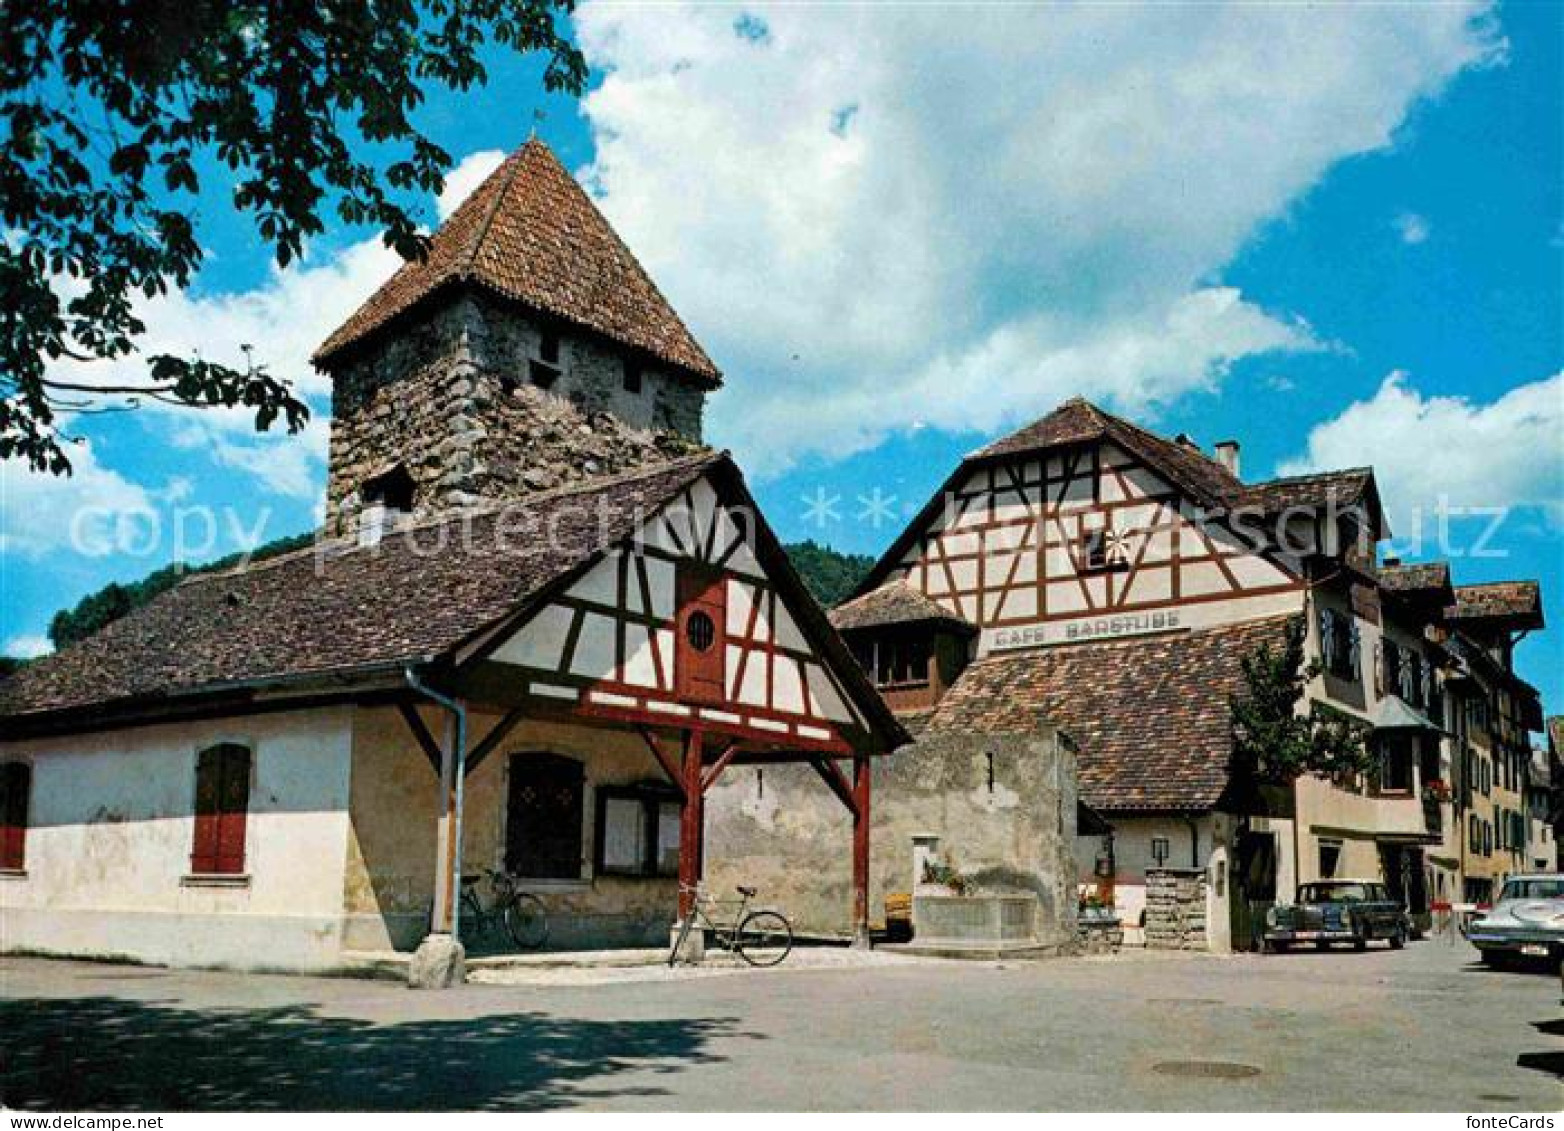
521,913
761,938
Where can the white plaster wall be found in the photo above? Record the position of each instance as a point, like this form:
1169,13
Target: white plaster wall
109,839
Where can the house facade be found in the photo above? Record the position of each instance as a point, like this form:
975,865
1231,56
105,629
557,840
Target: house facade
540,625
1114,581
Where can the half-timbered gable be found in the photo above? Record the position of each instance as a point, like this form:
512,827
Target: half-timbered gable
682,621
1090,541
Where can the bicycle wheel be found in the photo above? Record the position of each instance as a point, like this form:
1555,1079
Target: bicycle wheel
527,921
764,938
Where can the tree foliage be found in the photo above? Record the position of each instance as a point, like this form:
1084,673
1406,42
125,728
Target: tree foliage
830,575
108,108
1272,739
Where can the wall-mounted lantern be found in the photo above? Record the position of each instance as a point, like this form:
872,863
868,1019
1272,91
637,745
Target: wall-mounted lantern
1160,850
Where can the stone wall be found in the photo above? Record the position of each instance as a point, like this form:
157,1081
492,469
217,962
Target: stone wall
1003,807
448,396
1176,909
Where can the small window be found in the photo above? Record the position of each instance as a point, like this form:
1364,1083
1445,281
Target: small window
1330,856
393,490
1340,644
16,781
221,807
1103,550
637,831
1395,765
632,375
548,348
542,374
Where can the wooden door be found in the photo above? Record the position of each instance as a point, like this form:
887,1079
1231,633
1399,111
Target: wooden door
700,650
543,818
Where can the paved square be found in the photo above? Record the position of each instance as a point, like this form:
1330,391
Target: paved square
1423,1029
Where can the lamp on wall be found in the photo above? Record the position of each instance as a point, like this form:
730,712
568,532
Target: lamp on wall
1160,850
1105,867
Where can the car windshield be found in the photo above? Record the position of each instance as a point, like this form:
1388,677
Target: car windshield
1334,893
1547,887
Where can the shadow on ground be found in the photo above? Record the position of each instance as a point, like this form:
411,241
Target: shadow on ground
98,1052
1551,1062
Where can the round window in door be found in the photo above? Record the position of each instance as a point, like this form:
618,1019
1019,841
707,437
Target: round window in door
700,631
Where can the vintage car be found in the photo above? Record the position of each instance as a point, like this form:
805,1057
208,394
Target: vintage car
1338,911
1527,921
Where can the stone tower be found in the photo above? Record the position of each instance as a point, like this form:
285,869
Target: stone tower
528,350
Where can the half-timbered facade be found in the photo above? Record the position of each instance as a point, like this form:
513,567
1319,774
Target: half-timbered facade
509,649
1115,580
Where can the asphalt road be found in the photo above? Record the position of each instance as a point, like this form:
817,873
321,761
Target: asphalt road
1422,1029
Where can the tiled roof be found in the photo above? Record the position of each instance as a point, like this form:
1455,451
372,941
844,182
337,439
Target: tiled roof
1520,600
340,607
1150,716
894,603
531,234
1415,577
1342,488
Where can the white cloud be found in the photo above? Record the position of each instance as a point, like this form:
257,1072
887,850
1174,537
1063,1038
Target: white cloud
469,173
27,647
1412,228
1430,448
45,514
890,223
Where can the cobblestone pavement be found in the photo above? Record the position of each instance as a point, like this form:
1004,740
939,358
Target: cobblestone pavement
1421,1029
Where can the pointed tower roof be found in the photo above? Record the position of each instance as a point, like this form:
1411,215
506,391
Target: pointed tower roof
529,233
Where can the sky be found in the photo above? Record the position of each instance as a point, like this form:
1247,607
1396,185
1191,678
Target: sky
1335,234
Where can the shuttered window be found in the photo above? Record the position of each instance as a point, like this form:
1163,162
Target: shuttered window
16,782
221,806
544,817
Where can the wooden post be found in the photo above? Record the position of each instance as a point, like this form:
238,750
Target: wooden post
691,824
860,850
445,880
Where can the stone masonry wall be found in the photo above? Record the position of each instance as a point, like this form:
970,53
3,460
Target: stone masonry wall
1176,909
448,397
780,829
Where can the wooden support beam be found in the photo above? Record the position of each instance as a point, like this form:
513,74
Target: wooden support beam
675,773
714,771
691,824
838,782
861,829
426,741
508,722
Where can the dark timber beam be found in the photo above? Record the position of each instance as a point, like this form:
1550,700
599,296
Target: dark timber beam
426,741
691,824
861,851
508,722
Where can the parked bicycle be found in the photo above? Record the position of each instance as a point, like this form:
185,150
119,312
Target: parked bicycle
520,913
762,937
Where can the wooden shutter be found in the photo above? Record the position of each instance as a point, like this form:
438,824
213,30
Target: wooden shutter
701,649
221,810
544,816
15,787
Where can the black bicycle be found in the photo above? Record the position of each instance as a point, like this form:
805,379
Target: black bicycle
520,913
761,938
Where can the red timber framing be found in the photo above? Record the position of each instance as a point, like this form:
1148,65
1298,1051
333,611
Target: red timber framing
692,759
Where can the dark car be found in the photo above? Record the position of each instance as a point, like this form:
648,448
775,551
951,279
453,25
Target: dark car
1338,911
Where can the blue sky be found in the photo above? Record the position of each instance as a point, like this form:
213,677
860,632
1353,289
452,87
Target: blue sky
1333,235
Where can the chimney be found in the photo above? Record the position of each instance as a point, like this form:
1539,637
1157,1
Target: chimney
373,519
1227,455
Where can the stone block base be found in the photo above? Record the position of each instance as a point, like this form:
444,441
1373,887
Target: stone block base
694,949
438,964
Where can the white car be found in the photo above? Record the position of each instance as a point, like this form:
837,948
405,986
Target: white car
1527,921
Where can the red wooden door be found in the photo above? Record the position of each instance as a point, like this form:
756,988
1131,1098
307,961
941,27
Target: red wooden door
701,650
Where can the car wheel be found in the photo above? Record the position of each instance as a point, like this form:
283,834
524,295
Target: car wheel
1398,939
1493,959
1360,944
1322,945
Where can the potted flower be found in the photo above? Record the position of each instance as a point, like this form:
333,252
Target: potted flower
1436,789
942,874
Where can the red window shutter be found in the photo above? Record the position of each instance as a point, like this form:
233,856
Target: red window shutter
234,805
701,649
15,787
203,853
